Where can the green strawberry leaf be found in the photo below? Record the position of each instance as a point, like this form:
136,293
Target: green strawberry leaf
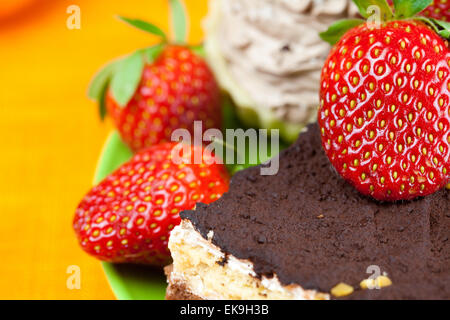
199,50
408,8
444,28
99,85
429,22
100,79
151,53
179,20
144,26
365,7
440,27
338,29
102,102
127,77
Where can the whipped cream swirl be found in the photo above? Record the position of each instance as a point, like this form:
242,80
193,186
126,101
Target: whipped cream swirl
273,53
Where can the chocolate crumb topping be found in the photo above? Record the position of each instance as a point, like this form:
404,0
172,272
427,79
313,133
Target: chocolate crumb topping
273,222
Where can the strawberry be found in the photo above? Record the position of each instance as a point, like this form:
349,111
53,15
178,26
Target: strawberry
128,217
438,9
176,89
384,113
156,90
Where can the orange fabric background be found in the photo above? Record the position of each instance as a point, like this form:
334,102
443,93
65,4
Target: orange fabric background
51,135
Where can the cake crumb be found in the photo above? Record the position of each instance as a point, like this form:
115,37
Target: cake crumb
342,290
378,283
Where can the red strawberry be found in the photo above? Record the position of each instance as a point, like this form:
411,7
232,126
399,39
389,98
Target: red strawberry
128,217
156,90
384,114
438,9
175,90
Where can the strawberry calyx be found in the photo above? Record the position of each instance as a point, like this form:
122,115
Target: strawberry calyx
145,26
373,9
369,7
179,21
122,76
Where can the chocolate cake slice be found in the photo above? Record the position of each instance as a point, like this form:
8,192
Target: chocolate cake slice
305,233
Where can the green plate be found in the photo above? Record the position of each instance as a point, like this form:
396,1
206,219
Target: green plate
132,282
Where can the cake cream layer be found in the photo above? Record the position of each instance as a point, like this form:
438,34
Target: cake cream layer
268,54
306,226
203,271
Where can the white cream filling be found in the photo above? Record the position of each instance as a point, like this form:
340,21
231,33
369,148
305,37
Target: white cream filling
244,45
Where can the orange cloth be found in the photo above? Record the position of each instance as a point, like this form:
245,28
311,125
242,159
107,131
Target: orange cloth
51,135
